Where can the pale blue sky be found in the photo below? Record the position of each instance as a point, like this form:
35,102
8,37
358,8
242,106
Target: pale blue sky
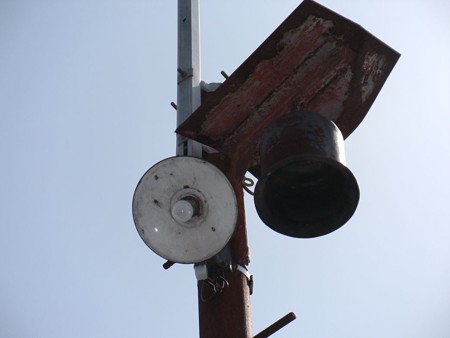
85,88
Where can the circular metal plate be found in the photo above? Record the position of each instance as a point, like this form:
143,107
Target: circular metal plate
179,178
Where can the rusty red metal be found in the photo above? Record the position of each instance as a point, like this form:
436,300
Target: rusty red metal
229,314
316,60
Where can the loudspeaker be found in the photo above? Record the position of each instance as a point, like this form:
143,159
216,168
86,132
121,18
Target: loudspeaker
305,190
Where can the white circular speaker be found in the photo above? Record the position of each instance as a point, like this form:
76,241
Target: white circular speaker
185,209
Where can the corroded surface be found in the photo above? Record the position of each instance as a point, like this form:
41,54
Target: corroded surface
316,60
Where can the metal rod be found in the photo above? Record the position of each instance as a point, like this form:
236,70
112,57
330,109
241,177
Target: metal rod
225,75
167,265
279,324
188,72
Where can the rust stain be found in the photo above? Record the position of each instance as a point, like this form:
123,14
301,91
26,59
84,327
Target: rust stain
316,60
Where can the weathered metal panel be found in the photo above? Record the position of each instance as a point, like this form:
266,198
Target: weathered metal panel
316,60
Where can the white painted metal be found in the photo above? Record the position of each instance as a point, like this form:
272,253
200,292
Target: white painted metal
201,271
188,90
177,179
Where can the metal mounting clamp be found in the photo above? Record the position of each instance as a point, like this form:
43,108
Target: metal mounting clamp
184,74
244,271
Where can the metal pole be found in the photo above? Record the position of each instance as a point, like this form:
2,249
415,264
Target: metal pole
229,315
188,71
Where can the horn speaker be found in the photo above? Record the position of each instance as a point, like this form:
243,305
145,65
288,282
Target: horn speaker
305,189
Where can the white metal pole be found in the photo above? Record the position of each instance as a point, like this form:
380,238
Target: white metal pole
188,70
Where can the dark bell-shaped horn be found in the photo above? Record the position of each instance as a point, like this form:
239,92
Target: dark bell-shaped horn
305,189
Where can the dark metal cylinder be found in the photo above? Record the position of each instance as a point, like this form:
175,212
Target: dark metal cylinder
305,189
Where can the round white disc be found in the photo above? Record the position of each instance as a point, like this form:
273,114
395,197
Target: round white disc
158,195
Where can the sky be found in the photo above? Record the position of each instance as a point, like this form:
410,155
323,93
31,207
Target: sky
85,92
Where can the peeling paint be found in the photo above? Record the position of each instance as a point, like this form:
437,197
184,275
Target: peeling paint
316,60
373,68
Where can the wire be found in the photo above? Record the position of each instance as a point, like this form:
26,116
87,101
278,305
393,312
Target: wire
212,287
247,182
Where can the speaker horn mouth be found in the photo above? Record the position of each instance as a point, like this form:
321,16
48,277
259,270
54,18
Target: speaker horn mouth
305,190
306,196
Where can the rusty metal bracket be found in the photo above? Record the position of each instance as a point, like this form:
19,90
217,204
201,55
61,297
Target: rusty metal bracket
279,324
316,60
